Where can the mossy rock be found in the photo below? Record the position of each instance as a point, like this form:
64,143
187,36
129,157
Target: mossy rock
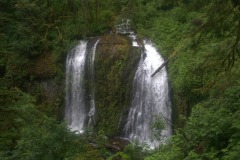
45,81
116,63
43,66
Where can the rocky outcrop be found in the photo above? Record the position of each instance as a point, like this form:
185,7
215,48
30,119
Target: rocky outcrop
116,63
46,83
43,66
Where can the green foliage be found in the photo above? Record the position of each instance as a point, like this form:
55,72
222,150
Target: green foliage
119,155
31,28
200,47
135,151
157,126
25,133
35,37
131,152
16,109
201,36
96,146
211,131
47,140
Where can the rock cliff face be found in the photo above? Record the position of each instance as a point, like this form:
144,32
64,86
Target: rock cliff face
46,83
116,64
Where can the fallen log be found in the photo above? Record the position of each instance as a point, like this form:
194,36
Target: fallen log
159,68
172,56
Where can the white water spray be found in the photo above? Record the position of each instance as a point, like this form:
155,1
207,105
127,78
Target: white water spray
75,111
150,99
91,64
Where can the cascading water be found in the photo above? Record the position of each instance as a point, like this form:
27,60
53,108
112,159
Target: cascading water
150,99
75,111
91,71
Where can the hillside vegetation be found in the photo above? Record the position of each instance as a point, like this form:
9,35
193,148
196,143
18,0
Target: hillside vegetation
200,38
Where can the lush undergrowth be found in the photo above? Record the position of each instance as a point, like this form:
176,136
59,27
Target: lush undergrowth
201,41
35,37
200,38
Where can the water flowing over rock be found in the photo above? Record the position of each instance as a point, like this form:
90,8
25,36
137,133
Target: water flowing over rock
107,88
75,111
80,107
91,71
150,100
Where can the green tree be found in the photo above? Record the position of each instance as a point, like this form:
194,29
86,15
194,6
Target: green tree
48,140
16,110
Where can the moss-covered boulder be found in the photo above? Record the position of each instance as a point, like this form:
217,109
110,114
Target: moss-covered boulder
116,63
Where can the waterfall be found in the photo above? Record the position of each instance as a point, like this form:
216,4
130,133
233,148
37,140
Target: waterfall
75,111
91,71
150,99
149,95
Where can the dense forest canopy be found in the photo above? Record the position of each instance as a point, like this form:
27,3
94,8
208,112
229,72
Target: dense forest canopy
200,38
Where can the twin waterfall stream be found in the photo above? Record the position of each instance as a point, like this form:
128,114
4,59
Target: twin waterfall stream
75,111
150,97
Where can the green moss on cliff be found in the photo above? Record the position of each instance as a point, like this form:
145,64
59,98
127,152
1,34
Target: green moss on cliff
44,66
44,80
116,63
